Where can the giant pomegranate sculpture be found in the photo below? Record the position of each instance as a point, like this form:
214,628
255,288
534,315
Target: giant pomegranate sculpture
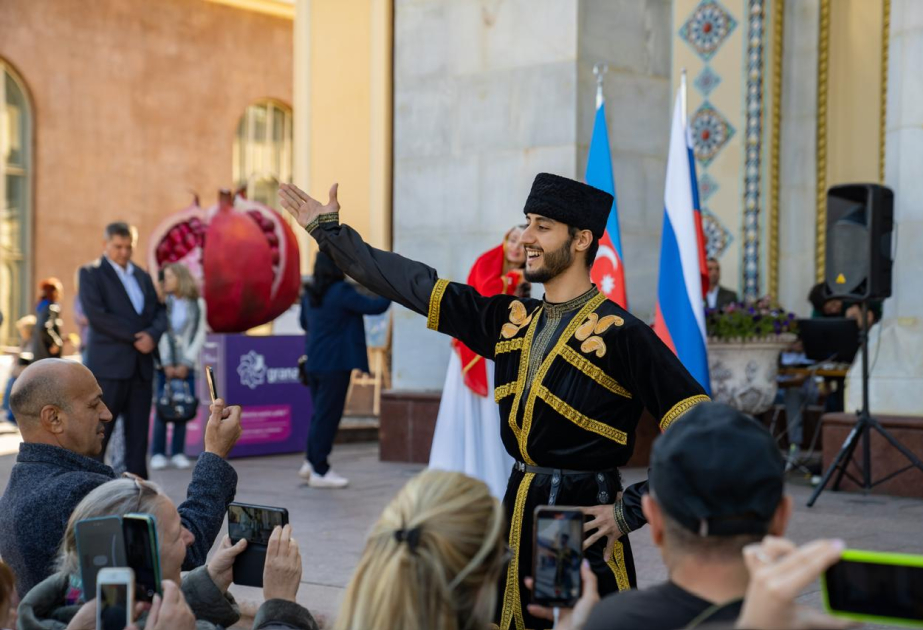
243,254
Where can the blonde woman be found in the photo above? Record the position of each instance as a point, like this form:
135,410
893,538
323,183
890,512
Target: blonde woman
179,349
432,560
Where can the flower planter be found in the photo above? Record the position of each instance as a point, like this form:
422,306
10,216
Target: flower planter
743,373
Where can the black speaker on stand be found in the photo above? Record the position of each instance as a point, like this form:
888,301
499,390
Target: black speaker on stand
860,221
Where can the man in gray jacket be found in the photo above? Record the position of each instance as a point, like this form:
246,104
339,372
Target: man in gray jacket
60,411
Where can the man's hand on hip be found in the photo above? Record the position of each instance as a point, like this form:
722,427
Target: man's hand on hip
603,521
144,343
223,429
304,207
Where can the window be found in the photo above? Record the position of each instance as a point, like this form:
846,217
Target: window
263,151
15,201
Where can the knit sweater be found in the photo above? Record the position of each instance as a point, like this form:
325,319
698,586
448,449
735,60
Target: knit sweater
48,482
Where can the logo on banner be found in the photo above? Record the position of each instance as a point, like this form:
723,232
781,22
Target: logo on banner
252,369
254,372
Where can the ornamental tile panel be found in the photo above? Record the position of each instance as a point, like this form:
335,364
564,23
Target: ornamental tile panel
707,28
710,132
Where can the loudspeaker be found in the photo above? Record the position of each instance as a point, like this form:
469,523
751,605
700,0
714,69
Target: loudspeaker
860,220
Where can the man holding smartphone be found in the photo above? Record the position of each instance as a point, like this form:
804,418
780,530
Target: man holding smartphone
62,417
573,372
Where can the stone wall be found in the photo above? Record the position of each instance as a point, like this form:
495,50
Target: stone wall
487,94
135,104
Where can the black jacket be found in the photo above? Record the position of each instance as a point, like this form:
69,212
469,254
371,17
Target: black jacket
113,322
48,482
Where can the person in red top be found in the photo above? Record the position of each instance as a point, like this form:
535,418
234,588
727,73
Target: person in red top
466,428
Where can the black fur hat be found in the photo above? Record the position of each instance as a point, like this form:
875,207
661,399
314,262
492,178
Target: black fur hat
570,202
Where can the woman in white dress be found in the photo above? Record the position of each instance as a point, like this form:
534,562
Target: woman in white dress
467,437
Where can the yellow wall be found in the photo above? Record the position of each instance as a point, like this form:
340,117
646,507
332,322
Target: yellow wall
854,91
343,108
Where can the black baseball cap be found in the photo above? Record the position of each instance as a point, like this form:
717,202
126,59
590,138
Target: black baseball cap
718,472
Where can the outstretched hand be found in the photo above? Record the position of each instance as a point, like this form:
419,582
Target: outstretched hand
304,207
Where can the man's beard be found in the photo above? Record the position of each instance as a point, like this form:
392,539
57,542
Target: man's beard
555,263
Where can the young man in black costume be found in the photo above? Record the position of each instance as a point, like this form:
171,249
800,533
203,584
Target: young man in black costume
573,371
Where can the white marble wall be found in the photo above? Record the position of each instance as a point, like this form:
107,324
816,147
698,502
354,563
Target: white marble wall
897,375
634,39
797,160
489,93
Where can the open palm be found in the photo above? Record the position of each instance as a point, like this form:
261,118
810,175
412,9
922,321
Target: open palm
304,207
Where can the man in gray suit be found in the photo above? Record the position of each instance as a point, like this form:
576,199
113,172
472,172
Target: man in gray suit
717,297
126,322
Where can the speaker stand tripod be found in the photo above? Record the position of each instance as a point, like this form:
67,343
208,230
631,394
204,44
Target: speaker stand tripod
865,424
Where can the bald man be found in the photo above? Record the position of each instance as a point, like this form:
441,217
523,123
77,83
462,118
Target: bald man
60,411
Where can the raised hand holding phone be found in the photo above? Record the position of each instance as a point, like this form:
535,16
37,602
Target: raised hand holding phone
223,428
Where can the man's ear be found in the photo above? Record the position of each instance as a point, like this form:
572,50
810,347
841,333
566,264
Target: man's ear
654,518
781,517
50,418
583,240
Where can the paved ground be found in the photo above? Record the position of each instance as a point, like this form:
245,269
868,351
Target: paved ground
331,525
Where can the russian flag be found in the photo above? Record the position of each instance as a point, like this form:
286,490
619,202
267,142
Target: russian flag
608,273
679,319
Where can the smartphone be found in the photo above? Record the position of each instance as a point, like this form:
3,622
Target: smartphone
115,596
255,524
210,377
100,544
142,553
557,554
875,587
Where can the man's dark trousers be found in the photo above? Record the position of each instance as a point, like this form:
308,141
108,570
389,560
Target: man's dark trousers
130,399
328,395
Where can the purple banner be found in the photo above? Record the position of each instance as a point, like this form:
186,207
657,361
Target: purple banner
261,375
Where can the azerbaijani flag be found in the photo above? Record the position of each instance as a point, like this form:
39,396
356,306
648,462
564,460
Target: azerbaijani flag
679,319
608,272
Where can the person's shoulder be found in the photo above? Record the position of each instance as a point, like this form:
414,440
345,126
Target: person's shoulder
618,609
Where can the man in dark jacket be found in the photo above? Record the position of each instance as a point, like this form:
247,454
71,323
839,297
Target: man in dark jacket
126,322
61,414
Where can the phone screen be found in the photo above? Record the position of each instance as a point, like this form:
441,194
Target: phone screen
142,555
254,523
114,606
212,387
557,556
100,544
875,589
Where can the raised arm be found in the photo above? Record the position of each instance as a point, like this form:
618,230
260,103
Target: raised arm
390,275
455,309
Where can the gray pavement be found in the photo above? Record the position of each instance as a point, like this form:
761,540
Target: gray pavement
331,525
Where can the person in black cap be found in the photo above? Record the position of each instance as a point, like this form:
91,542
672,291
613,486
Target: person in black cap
703,511
573,372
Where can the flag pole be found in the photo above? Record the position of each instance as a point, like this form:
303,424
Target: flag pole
600,70
682,96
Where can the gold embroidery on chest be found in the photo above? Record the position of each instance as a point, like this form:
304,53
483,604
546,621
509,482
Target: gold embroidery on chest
508,346
594,345
607,322
519,319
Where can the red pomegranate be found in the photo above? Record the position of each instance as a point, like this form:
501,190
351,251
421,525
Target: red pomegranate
243,253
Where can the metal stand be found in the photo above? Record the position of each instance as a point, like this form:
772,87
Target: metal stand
865,423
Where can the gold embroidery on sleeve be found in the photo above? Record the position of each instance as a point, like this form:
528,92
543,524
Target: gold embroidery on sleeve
680,408
503,391
435,304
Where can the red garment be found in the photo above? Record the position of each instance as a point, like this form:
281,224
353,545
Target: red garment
488,279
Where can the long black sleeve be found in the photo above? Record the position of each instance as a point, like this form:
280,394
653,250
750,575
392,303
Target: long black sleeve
407,282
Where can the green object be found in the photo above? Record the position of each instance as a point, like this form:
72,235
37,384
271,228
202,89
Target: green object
877,558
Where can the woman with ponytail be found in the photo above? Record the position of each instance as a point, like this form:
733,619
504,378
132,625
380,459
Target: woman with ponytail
432,560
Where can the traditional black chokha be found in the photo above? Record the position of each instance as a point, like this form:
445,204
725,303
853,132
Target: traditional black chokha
571,380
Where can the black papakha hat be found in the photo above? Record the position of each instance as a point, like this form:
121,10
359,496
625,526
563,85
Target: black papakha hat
718,472
570,202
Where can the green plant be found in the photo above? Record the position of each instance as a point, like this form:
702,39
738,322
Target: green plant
742,321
